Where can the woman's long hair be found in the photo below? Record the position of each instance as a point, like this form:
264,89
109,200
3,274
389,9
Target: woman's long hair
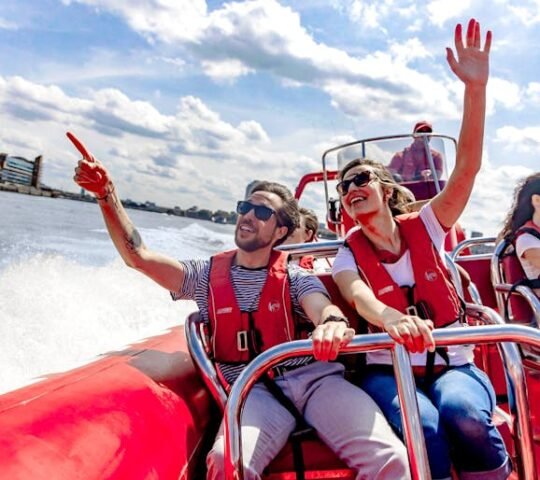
401,196
522,209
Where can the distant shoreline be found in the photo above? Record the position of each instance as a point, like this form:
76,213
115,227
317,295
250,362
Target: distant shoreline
216,217
219,216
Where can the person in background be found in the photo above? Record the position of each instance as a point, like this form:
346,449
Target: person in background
412,163
522,225
392,271
258,302
307,230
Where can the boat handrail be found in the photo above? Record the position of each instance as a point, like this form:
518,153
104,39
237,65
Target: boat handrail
501,287
526,293
413,435
323,248
469,243
194,338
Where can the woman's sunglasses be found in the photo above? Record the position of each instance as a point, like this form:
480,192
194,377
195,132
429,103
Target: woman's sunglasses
262,212
360,180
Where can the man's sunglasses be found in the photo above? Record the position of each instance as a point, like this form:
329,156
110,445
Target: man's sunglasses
360,180
262,212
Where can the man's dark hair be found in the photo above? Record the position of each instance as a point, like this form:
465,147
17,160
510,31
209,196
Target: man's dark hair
288,215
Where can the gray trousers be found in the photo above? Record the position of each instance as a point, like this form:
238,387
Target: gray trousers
344,416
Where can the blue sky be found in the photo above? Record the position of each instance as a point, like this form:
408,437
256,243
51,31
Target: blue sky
186,101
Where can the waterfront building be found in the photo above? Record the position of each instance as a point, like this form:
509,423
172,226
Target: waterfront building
20,170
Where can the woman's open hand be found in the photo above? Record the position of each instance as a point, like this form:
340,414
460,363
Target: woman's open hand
472,63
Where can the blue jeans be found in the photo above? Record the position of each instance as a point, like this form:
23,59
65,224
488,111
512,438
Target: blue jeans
455,409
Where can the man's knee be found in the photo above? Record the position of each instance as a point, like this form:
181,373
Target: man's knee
215,464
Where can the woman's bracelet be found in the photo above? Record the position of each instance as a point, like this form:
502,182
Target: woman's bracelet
336,318
110,190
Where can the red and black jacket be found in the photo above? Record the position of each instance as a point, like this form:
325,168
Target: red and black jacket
532,229
238,336
433,286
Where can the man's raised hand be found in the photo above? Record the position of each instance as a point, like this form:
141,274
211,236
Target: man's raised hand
90,174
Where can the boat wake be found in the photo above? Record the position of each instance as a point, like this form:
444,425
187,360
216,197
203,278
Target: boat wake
57,314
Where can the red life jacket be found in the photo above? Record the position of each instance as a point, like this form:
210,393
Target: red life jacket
307,262
432,280
532,229
239,336
528,227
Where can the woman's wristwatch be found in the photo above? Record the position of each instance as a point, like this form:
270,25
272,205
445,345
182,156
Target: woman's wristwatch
336,318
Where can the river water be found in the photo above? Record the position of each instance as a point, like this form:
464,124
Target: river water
65,294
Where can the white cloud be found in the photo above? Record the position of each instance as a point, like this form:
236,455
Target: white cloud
166,158
369,13
373,14
253,131
519,140
441,11
411,49
225,70
503,92
7,24
492,197
166,20
532,93
527,12
261,35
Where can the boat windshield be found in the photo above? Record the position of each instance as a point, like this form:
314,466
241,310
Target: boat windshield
420,162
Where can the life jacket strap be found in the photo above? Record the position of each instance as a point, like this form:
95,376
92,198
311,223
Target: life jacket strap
302,430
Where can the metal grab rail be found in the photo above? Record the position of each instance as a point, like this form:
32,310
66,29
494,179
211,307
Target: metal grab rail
471,242
454,256
527,293
517,386
206,368
410,416
498,280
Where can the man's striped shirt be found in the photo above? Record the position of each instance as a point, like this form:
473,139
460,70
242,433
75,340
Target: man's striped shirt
247,284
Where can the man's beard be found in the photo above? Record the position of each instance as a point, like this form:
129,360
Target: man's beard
251,245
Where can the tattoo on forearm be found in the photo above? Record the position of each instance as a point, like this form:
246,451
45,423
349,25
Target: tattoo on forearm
133,240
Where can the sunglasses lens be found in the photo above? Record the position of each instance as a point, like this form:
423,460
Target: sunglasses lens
360,180
243,207
263,213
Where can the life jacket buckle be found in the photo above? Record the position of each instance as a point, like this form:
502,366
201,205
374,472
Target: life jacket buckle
242,341
412,310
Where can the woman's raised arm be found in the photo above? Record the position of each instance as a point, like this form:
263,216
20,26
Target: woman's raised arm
471,65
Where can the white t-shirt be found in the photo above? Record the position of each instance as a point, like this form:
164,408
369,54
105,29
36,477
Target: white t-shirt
523,243
402,273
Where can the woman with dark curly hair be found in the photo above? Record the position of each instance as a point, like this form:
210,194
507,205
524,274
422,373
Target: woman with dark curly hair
392,271
522,225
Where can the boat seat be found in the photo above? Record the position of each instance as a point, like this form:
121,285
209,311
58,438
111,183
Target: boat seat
320,463
523,304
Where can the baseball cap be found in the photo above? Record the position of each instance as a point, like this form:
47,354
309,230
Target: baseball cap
423,125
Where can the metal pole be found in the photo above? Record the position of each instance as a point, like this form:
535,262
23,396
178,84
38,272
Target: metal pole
413,433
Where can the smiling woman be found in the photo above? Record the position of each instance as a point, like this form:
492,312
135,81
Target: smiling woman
393,271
